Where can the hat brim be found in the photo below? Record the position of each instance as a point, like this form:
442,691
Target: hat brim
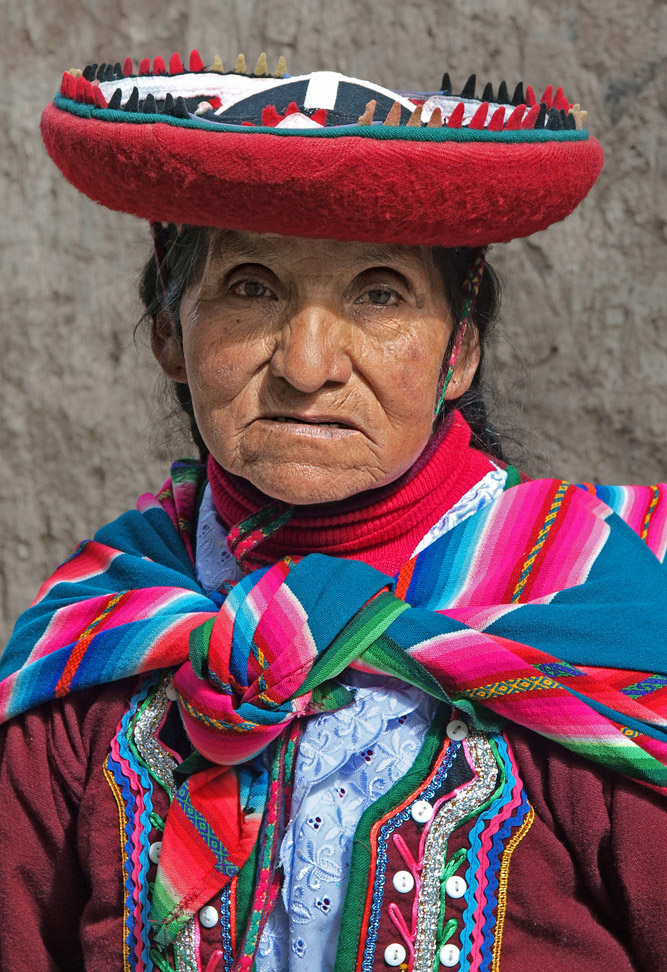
421,186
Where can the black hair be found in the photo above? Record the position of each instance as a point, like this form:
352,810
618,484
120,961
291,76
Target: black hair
182,257
161,290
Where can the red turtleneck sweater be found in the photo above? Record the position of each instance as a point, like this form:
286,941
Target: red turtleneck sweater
381,526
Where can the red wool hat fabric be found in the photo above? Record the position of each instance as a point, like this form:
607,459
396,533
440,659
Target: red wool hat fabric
320,155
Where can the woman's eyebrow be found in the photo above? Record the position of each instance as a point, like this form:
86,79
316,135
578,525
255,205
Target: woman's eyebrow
239,244
383,254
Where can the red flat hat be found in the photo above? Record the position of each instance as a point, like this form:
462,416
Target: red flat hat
320,155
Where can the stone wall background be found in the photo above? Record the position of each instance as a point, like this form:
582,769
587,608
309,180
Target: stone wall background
581,359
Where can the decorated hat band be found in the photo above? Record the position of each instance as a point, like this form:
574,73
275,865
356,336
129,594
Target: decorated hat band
320,155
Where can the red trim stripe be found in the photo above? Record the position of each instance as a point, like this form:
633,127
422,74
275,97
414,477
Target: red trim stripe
404,578
81,646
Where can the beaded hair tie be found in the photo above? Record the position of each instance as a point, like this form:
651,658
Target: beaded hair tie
471,286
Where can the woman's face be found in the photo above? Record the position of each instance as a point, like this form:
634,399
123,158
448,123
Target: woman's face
313,365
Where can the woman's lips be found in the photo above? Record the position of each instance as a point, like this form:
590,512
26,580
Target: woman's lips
314,425
301,421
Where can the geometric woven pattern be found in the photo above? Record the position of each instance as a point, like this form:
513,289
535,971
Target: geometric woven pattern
199,822
512,686
645,686
558,670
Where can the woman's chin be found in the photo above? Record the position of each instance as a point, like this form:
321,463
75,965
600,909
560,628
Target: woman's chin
306,465
302,485
302,490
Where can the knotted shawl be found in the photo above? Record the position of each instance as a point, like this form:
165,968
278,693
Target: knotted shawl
545,608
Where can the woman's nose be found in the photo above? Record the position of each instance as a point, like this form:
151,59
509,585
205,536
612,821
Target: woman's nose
312,349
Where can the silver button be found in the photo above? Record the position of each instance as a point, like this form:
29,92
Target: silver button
154,851
455,886
395,954
403,881
208,916
456,730
170,692
449,956
422,811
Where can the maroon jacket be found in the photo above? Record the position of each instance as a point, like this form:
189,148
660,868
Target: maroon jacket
587,886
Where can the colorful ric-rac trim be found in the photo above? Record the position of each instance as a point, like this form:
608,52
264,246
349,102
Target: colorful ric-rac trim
133,783
488,839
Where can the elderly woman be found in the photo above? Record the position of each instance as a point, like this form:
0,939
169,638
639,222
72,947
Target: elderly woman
348,692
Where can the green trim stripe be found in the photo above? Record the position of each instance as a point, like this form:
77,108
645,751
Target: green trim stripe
245,889
395,660
198,647
358,634
513,477
349,936
386,133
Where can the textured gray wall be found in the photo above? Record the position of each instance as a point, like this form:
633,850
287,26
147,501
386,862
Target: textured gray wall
582,359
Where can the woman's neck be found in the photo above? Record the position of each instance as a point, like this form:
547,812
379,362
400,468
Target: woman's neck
381,526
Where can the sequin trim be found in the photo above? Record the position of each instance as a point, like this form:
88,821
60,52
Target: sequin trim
186,948
159,763
450,815
383,837
226,923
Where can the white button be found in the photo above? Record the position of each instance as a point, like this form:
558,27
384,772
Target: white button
395,954
208,916
449,956
403,881
154,851
456,730
455,886
422,811
170,692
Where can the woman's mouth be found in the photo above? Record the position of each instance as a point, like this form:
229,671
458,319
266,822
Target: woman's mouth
321,426
301,421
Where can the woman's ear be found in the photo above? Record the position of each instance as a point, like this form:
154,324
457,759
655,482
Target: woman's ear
466,365
167,349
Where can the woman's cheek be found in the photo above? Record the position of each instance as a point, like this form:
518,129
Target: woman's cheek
219,371
415,370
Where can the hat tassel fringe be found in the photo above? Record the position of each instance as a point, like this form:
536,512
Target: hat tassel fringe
520,112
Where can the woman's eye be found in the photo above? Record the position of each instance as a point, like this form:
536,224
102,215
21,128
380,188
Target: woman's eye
250,288
379,296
